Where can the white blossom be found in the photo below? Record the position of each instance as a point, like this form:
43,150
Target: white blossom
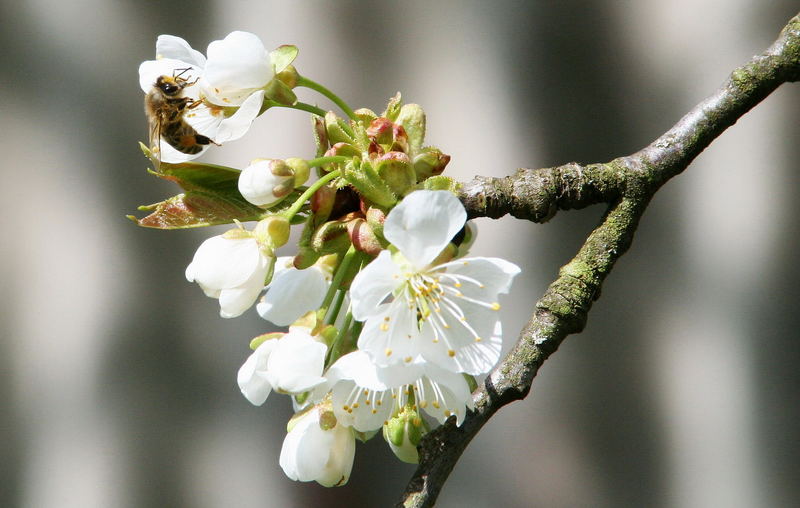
318,448
175,57
366,395
446,313
237,67
293,292
230,269
291,364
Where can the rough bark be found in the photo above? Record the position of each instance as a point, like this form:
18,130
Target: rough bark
626,184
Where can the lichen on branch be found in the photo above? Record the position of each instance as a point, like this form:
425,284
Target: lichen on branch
627,184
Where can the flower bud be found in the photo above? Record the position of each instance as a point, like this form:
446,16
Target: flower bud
412,119
345,149
430,163
363,237
365,115
288,76
366,180
320,135
300,168
395,169
330,238
335,128
265,182
404,432
390,135
273,231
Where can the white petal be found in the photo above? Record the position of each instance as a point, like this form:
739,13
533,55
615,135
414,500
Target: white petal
173,156
423,224
364,410
169,46
359,367
235,126
392,335
291,294
474,358
296,364
373,284
443,393
224,263
311,453
236,66
251,379
233,302
495,275
150,70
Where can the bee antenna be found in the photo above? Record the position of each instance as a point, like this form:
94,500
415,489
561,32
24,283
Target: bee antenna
181,73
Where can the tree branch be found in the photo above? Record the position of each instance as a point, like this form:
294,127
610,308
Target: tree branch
627,184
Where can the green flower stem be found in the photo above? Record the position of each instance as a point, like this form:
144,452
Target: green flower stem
291,212
303,81
333,312
341,270
319,161
340,343
302,106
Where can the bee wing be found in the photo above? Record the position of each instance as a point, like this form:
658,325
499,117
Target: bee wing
155,140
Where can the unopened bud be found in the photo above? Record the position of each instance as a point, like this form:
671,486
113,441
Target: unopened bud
300,168
273,231
363,237
412,118
395,169
365,115
265,182
288,76
430,163
335,128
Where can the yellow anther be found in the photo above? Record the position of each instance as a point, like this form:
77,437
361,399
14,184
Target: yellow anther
407,359
495,306
355,405
478,339
388,352
384,327
451,353
423,404
435,404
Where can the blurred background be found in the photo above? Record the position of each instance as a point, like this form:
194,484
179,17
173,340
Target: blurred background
117,377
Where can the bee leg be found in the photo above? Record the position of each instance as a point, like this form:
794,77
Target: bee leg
204,140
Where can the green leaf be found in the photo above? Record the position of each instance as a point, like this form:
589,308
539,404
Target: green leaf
198,208
211,197
282,56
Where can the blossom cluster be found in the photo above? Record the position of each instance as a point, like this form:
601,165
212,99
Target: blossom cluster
388,319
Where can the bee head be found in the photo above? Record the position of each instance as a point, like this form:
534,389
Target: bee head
169,85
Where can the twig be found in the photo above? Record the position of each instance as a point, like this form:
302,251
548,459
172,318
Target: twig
627,184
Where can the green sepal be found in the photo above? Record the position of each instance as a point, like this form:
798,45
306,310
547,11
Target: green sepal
282,56
393,108
279,92
396,171
263,338
337,129
412,118
320,135
369,184
440,182
471,382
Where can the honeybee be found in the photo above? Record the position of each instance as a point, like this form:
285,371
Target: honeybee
165,106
